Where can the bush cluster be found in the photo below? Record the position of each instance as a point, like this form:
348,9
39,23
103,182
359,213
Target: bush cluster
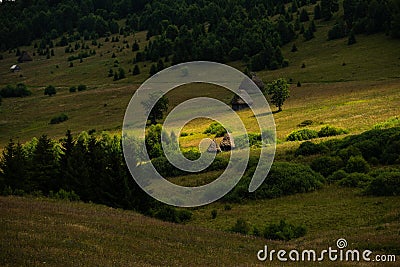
307,134
303,134
284,231
170,214
64,195
59,119
283,179
348,161
275,231
20,90
215,128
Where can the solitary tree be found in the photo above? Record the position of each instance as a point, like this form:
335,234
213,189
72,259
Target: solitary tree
50,90
279,92
156,113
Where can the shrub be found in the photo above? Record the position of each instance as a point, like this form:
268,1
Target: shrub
391,154
303,134
369,149
337,176
170,214
64,195
390,123
59,119
256,139
357,164
327,165
241,227
80,56
331,131
215,128
82,87
50,90
72,89
309,148
214,214
355,180
386,184
347,153
284,231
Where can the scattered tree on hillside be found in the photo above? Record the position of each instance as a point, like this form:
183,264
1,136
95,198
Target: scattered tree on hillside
279,92
50,90
121,73
304,16
153,69
317,12
82,87
135,46
136,70
308,34
328,7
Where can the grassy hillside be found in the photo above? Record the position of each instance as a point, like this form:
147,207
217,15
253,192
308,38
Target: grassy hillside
37,232
354,96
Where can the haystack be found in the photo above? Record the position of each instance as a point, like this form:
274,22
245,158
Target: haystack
227,143
24,57
213,148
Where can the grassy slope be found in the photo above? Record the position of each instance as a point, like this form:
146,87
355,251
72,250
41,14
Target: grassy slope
37,232
34,232
355,96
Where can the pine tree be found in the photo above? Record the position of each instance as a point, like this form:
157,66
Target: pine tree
136,70
317,12
304,16
160,65
110,73
153,69
313,27
13,167
121,73
135,46
44,169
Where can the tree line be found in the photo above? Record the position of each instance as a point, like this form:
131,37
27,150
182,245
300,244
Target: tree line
90,166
